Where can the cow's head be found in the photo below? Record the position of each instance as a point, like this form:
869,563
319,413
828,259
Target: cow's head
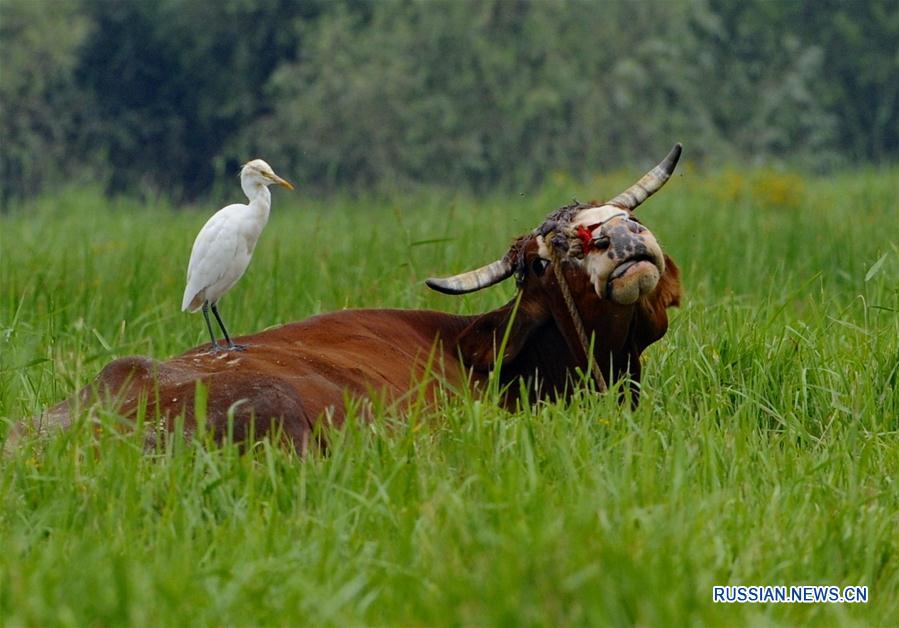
619,279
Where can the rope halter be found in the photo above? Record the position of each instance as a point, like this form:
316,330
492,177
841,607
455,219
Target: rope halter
576,320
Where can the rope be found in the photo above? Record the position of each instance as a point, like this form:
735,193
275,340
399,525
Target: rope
576,320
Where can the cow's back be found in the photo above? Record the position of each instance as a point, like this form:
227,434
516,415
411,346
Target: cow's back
291,376
353,351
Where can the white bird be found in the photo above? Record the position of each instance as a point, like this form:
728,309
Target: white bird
224,246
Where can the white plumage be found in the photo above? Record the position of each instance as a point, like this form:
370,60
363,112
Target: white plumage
225,244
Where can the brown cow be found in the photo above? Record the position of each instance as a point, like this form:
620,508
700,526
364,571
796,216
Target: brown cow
301,374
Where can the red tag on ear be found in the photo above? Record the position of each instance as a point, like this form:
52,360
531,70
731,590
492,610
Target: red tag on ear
586,237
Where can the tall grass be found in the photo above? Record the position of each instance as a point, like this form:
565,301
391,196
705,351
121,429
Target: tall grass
765,449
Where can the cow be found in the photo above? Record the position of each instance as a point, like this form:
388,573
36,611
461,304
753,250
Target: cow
593,289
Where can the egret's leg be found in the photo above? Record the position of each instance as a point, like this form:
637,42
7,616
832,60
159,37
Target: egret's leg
215,345
231,344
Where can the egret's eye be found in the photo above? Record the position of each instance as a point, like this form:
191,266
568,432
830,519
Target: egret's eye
539,266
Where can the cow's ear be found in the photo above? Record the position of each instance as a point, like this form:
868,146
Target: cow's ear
479,343
652,320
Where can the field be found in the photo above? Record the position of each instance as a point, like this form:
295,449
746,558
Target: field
765,449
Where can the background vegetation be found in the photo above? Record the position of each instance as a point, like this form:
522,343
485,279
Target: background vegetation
170,97
764,451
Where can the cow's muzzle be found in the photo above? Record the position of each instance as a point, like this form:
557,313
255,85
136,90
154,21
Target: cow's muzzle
625,262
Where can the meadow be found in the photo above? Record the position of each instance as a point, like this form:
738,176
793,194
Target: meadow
765,449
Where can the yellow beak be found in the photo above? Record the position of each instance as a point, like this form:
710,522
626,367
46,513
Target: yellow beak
282,182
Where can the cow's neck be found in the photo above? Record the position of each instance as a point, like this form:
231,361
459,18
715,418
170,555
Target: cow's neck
551,362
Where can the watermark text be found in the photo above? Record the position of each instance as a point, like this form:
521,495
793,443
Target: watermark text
782,594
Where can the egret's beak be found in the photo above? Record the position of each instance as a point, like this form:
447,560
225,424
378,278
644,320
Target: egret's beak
282,182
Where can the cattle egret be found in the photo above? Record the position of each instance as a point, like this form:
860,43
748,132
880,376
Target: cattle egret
224,246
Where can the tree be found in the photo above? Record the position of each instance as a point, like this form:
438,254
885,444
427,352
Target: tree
175,80
42,112
860,83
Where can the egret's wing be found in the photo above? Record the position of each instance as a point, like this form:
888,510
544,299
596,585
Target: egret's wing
209,236
214,250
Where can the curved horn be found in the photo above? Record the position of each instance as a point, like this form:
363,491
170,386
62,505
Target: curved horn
472,280
650,183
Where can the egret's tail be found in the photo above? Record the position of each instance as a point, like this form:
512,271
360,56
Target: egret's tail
192,302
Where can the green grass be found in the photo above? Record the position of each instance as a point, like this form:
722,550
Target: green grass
765,449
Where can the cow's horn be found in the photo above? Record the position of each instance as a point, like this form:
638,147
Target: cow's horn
650,183
473,279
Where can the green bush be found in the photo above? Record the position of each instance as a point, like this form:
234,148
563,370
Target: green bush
170,97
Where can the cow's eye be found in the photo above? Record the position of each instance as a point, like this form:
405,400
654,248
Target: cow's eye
601,243
539,265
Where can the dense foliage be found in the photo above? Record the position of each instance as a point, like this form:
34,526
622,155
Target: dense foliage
169,97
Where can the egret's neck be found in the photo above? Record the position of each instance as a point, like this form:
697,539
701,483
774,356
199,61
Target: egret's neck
259,195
